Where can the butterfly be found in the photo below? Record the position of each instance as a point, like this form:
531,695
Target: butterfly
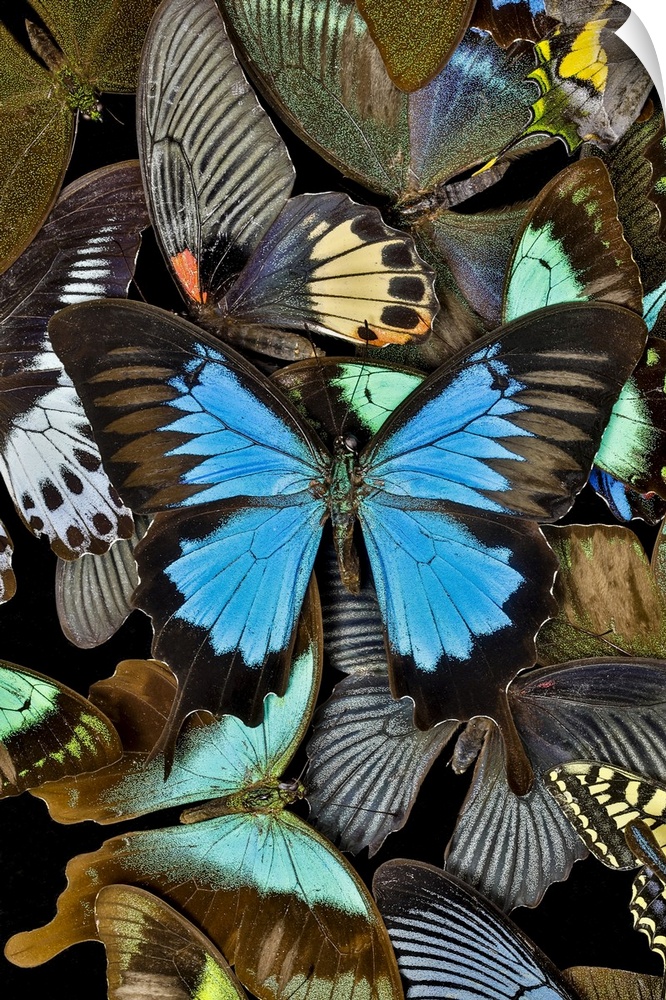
51,466
247,258
415,39
86,48
152,950
322,72
625,503
47,730
282,905
451,942
190,429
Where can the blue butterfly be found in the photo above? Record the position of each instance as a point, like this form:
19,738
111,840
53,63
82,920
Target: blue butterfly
447,493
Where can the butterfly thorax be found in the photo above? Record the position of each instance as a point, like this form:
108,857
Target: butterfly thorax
345,492
79,95
269,797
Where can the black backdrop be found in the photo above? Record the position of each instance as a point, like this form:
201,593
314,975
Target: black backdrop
584,921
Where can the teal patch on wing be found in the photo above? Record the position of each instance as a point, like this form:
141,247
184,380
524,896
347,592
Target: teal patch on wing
25,701
541,275
372,394
221,758
275,855
653,303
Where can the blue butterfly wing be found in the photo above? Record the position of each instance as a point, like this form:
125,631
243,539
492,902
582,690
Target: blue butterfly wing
462,596
192,432
224,587
505,434
512,426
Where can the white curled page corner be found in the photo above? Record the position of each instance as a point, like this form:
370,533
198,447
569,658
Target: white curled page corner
644,32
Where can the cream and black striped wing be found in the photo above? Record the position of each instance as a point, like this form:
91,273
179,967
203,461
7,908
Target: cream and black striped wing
216,172
601,800
450,942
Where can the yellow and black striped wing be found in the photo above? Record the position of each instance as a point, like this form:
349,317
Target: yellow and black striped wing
601,800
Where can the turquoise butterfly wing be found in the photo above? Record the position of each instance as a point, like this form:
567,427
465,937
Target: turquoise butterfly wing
280,903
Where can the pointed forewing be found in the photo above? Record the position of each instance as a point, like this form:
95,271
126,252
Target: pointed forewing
216,171
154,952
451,942
367,761
572,247
512,426
180,419
47,730
283,906
86,250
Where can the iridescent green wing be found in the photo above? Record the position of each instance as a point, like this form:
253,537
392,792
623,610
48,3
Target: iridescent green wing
153,951
219,759
101,39
601,800
36,137
47,730
609,600
571,247
273,895
632,447
415,38
346,395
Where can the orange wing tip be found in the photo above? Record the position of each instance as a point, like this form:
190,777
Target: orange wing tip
186,266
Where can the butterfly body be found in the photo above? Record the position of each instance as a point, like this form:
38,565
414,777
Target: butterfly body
78,94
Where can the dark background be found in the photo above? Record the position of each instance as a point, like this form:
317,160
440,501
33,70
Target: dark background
584,921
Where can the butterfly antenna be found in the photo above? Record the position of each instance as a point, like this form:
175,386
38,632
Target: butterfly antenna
109,112
601,635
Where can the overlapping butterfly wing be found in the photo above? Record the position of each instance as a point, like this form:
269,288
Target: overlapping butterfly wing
189,429
47,730
247,258
280,903
449,940
456,497
322,71
100,45
153,951
50,463
94,593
